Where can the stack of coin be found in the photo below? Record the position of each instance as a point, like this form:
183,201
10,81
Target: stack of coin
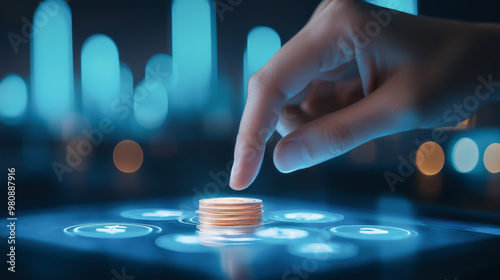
225,221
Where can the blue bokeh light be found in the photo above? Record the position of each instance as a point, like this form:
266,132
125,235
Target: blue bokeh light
126,82
14,99
406,6
150,105
194,49
161,69
100,75
262,43
52,60
465,155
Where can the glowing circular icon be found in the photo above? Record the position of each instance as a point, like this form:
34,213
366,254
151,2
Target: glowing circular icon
153,214
324,251
185,243
305,216
371,232
465,155
112,230
128,156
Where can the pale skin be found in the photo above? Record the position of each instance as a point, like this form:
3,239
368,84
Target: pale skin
341,82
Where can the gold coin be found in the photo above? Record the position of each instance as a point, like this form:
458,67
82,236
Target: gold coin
230,202
232,223
240,228
231,209
229,216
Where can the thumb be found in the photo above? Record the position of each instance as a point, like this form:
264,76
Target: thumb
341,131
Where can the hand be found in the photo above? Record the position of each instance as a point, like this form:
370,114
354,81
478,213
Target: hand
357,72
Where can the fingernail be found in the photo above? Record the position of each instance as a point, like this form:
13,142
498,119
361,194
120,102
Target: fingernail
290,156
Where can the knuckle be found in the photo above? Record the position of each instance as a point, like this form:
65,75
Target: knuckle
337,137
257,82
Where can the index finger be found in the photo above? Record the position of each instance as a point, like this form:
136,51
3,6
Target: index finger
288,72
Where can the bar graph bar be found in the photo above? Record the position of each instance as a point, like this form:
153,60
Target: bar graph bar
406,6
160,68
262,43
14,99
52,60
194,49
100,76
122,108
150,105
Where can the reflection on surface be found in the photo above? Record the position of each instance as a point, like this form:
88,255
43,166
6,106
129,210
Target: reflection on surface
236,262
152,214
268,252
305,216
282,233
324,251
371,232
186,243
290,235
111,230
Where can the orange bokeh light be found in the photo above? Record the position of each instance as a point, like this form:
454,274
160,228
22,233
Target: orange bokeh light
128,156
430,158
492,158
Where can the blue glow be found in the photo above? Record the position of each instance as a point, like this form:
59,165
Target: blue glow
305,216
262,43
194,49
100,75
406,6
152,214
282,233
465,155
14,99
246,76
217,239
111,230
487,230
52,60
218,119
371,232
122,108
186,243
188,239
161,69
150,105
126,81
324,251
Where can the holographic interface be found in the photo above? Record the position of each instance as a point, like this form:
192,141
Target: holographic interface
112,230
305,216
371,232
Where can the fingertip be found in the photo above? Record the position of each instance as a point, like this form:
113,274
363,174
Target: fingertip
237,186
291,155
238,181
